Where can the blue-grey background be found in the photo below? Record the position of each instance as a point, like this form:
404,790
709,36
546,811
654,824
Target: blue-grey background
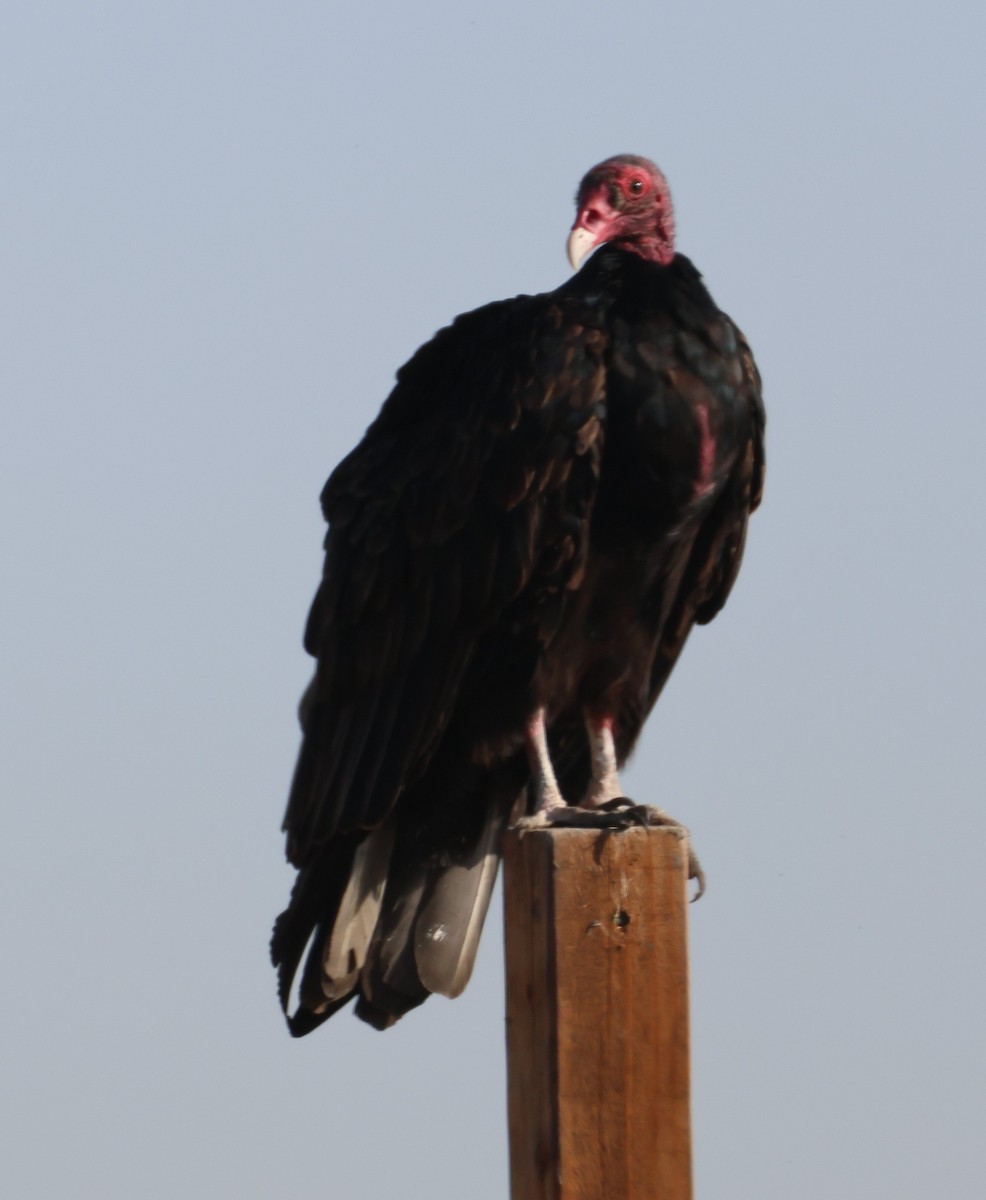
223,225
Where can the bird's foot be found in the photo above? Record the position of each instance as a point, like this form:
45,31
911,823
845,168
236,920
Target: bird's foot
619,813
615,814
657,816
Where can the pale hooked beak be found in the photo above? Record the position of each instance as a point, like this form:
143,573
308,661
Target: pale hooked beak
580,242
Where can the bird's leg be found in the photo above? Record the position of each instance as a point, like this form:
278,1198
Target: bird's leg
604,794
604,805
605,782
547,794
550,808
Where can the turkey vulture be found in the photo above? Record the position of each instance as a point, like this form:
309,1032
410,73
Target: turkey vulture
555,491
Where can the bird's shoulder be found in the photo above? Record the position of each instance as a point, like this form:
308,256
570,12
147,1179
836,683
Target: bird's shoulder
515,380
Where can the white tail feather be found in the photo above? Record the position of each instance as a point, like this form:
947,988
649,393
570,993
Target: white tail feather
448,927
346,950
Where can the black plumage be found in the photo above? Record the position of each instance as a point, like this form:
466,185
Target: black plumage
555,492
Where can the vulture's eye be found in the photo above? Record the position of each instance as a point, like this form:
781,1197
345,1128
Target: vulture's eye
636,186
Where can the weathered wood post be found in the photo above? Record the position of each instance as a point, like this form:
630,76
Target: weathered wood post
597,1014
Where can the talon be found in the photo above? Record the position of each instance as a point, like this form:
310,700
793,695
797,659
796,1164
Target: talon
617,804
657,816
604,807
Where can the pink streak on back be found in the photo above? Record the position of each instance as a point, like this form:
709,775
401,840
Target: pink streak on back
706,452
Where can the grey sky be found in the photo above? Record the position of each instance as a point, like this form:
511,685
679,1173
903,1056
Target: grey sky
223,226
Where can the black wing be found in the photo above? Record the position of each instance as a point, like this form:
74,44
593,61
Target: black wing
681,357
452,506
717,551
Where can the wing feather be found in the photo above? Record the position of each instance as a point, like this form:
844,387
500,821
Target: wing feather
716,553
436,524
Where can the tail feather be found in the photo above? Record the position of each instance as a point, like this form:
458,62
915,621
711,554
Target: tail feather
390,981
391,916
314,897
433,915
359,910
446,936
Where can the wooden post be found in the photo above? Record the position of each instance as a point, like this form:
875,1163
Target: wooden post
597,1014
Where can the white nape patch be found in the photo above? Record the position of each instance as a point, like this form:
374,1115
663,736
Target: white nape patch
436,933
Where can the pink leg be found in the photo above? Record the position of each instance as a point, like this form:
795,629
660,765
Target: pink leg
548,797
605,783
597,810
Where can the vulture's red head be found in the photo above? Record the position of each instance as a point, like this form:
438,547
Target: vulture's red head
624,201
